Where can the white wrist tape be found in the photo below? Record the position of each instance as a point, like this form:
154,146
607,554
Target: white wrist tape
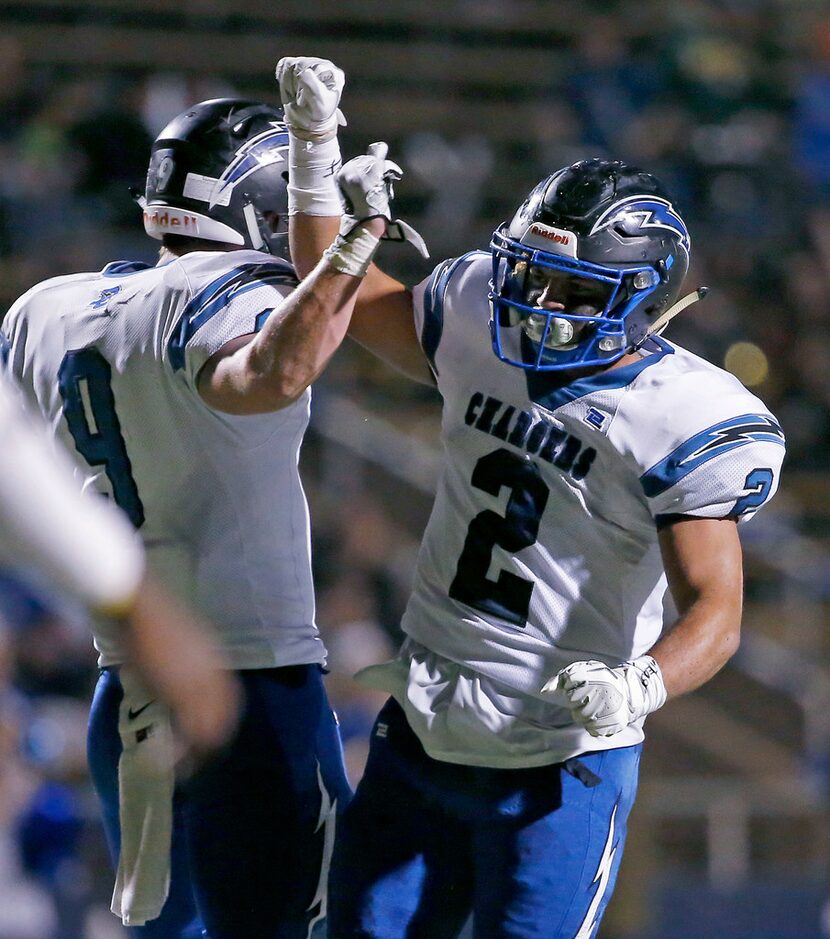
312,187
647,690
352,254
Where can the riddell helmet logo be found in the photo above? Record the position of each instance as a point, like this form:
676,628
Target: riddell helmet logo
554,240
558,237
166,220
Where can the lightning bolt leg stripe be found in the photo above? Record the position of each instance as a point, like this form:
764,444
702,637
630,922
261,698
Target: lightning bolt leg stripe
602,878
327,821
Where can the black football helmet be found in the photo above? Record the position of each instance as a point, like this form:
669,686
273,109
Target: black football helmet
602,246
216,170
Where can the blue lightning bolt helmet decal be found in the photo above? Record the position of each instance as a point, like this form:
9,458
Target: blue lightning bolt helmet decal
638,215
271,146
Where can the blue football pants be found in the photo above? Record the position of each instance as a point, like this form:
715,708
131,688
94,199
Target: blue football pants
531,853
250,847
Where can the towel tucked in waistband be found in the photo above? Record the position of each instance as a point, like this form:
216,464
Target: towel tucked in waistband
146,779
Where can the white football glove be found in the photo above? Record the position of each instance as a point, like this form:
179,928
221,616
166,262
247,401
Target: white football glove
606,700
366,191
365,187
310,90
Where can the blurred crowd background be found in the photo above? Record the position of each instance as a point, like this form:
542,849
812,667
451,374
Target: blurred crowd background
728,101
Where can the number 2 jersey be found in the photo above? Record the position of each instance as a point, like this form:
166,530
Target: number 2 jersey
542,547
112,359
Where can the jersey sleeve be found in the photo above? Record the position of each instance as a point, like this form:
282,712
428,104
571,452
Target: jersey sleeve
236,303
728,469
431,297
78,542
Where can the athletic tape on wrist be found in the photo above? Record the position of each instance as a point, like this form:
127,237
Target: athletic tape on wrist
312,187
650,677
353,255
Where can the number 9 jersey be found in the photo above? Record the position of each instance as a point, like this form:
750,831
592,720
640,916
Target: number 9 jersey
112,358
542,547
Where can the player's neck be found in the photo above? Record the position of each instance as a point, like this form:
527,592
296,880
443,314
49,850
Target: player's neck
567,377
627,359
171,252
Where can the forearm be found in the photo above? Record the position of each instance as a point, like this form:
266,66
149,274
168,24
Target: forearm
702,559
309,236
704,568
702,641
271,370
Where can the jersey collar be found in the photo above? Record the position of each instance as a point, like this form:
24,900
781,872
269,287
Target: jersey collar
550,397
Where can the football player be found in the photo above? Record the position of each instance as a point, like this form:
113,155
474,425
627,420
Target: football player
581,563
184,387
84,547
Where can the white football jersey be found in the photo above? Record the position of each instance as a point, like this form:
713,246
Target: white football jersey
542,546
112,359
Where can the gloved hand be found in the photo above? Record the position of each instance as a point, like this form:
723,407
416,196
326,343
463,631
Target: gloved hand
365,186
310,90
605,700
366,191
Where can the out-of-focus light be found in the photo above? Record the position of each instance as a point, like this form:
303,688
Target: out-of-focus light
747,362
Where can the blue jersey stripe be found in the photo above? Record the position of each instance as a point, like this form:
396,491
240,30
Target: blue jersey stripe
434,298
715,440
5,349
545,391
120,268
213,298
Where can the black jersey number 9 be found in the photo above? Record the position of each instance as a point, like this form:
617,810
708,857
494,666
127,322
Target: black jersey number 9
507,597
94,425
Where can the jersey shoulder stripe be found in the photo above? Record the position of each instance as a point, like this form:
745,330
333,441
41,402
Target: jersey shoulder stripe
120,268
541,393
714,441
435,297
214,297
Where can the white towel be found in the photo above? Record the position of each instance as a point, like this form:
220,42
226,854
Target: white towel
146,778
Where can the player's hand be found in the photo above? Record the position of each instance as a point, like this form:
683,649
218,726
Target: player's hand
310,90
366,189
606,700
366,185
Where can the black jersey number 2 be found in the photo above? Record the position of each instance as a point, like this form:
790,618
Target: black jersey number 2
507,597
84,380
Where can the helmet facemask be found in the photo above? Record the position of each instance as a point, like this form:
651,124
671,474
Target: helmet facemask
551,313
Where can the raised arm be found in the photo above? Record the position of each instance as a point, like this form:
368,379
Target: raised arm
703,563
270,370
383,318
